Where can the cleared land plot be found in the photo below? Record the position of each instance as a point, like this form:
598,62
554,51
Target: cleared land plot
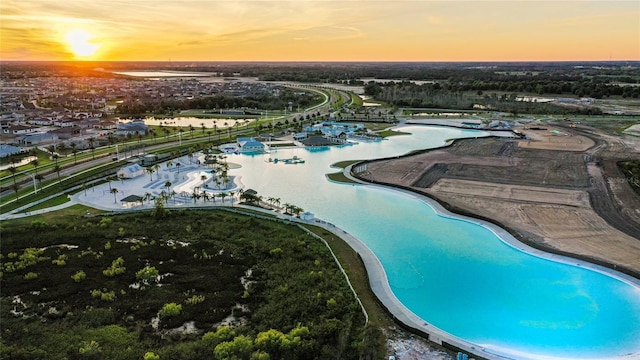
556,139
577,230
545,196
514,193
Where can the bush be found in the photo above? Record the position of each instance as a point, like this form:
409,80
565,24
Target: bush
79,276
170,310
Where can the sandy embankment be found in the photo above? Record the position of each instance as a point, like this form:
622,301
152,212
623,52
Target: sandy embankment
538,188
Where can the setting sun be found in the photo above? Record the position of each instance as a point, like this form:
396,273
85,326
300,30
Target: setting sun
79,42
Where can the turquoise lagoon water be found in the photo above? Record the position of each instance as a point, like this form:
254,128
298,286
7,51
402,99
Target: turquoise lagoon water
455,274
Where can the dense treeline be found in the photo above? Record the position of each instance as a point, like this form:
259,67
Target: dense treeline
409,94
119,287
266,101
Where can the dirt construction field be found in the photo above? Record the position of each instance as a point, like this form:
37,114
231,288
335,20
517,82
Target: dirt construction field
560,190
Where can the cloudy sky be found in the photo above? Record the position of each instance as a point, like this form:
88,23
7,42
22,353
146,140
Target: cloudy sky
319,30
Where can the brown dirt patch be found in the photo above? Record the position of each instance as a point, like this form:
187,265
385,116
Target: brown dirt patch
556,139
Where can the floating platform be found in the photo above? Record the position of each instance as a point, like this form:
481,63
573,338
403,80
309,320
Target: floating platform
293,160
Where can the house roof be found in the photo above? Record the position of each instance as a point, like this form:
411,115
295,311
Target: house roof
132,168
316,141
132,199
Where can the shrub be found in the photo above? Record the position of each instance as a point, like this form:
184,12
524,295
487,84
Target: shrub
147,274
170,309
79,276
116,268
150,356
195,299
30,276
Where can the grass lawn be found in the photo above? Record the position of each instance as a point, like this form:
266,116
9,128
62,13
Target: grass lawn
344,164
339,177
389,132
58,200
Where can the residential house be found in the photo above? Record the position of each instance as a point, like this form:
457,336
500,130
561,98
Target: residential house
37,139
134,128
19,129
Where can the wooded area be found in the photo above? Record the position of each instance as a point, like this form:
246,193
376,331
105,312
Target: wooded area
199,284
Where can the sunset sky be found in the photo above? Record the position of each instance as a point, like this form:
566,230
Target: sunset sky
301,30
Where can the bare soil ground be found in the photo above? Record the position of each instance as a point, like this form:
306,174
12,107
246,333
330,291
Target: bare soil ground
561,192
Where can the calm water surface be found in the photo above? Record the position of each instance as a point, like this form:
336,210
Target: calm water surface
454,274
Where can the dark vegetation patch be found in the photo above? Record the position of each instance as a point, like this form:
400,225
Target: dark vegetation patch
631,171
92,288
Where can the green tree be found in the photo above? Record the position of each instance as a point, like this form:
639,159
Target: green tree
114,191
240,348
13,170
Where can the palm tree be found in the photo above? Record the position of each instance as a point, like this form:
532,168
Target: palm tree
74,150
13,170
195,196
154,134
202,127
270,200
178,167
39,178
15,188
149,171
35,164
209,134
114,191
276,201
167,185
223,195
203,178
287,206
93,148
190,155
56,168
205,196
147,196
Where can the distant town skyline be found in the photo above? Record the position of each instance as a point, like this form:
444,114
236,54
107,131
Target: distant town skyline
319,30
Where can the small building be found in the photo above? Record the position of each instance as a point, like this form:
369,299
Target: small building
300,136
316,140
250,145
130,171
132,201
